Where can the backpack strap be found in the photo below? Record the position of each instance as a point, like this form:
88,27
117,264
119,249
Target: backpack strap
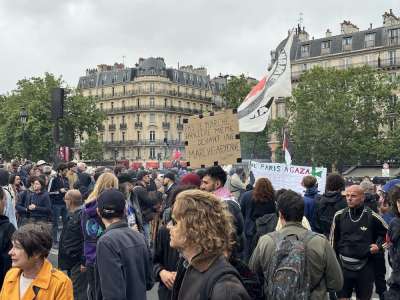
209,284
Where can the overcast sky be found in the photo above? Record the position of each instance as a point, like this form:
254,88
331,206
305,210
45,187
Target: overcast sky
66,37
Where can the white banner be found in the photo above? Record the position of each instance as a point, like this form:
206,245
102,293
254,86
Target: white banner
254,111
284,176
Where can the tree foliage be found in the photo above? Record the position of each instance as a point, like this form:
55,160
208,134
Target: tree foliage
80,115
253,145
340,116
92,148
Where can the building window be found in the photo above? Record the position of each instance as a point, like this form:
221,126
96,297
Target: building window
101,106
369,40
152,118
392,57
123,119
112,120
138,153
102,92
165,117
179,119
179,104
152,102
152,153
138,118
152,135
166,135
179,136
326,47
304,67
112,105
123,104
165,102
188,105
102,138
112,91
151,87
138,135
138,102
201,107
305,50
394,36
112,137
123,137
347,43
124,90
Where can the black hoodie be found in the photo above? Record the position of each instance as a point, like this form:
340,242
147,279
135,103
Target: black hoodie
6,231
325,208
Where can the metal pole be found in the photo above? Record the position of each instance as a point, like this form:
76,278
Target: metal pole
56,138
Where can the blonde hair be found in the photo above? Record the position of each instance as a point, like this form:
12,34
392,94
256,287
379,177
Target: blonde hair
105,181
206,219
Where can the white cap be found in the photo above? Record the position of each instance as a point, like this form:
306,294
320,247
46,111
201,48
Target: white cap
41,162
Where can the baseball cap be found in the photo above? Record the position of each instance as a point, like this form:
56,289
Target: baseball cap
41,162
390,184
170,175
111,202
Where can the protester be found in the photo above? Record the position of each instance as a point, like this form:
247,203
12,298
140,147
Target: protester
122,255
10,201
93,228
320,271
169,185
72,175
255,204
70,254
394,246
32,275
357,235
214,181
57,188
235,184
165,257
34,206
201,230
311,194
329,203
6,231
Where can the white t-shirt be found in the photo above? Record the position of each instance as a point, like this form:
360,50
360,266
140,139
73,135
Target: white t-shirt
24,283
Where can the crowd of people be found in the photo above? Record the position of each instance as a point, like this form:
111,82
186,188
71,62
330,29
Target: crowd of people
201,234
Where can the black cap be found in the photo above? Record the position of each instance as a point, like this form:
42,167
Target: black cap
141,174
111,202
125,177
170,175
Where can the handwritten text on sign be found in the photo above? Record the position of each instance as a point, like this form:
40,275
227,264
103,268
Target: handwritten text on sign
212,139
288,177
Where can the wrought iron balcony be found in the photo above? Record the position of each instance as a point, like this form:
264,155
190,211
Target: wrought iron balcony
123,126
166,125
111,127
138,125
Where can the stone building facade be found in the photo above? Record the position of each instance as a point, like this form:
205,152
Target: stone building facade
145,106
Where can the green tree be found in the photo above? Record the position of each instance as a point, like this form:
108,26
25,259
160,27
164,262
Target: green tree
37,141
92,148
253,145
339,116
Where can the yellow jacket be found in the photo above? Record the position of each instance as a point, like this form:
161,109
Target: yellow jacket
53,285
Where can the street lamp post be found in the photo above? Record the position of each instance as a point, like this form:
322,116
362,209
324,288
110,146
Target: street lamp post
23,117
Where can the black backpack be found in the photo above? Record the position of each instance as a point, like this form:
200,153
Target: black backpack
327,211
240,270
263,225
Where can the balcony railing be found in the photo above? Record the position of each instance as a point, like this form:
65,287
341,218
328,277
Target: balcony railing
166,125
393,41
179,126
138,125
141,142
111,127
163,93
377,64
123,126
101,127
161,108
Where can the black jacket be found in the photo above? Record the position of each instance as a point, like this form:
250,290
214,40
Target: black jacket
165,258
355,229
124,264
55,185
394,251
71,242
42,202
234,209
191,278
145,201
6,231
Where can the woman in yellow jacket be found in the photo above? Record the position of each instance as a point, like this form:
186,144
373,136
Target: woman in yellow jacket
32,276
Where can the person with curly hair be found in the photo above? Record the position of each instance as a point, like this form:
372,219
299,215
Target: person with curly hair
202,231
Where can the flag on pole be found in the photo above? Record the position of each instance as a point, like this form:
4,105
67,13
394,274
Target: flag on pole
254,111
285,147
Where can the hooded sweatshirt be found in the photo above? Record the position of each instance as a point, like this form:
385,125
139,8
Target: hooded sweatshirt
92,228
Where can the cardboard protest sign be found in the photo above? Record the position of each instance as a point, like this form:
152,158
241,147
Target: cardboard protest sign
288,176
212,139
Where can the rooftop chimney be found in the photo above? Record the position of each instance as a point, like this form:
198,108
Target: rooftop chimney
390,19
328,33
346,27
